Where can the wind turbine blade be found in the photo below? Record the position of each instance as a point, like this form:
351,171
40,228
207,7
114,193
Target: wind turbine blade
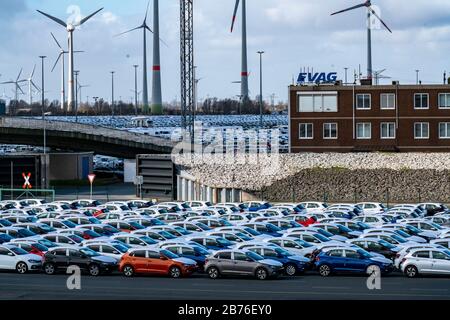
88,17
376,15
57,43
351,8
32,73
59,21
57,60
77,52
146,27
18,77
128,31
146,11
34,85
18,87
7,82
236,7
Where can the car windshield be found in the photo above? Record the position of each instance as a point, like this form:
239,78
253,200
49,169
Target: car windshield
182,230
295,224
89,252
5,223
18,251
46,227
26,233
47,243
200,250
202,226
224,242
364,253
283,252
68,223
321,237
402,233
253,232
225,223
272,228
75,238
344,228
92,234
120,248
166,235
111,229
40,247
168,254
386,244
157,222
254,256
398,238
243,236
324,232
413,229
436,225
136,225
148,240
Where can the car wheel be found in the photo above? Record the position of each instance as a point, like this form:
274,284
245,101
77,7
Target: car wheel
411,272
213,272
21,268
128,271
290,270
261,274
49,268
324,270
94,270
175,272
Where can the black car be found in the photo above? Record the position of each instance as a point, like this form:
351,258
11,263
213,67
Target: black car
84,258
378,246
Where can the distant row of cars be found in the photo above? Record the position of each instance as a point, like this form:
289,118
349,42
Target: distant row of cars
253,238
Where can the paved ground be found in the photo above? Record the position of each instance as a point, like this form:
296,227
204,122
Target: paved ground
39,286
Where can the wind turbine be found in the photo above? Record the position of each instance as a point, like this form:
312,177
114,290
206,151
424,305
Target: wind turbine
156,75
17,86
80,86
370,12
30,85
244,68
70,27
144,27
61,56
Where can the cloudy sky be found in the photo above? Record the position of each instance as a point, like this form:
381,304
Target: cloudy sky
294,33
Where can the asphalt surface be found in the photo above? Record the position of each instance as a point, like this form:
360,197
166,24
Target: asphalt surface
199,287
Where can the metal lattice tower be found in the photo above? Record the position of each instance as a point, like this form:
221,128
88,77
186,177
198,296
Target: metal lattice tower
187,63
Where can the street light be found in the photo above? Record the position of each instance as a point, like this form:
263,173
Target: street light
76,95
95,104
44,178
43,86
260,89
112,92
135,90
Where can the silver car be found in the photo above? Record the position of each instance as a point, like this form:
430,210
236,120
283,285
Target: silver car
426,261
243,263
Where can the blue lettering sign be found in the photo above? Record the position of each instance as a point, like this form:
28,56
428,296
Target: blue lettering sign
322,77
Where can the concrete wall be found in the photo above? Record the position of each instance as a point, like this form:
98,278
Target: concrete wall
129,170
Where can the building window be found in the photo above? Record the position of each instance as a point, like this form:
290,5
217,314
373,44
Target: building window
364,130
330,131
444,130
387,101
388,130
363,101
421,101
317,102
444,101
421,130
306,131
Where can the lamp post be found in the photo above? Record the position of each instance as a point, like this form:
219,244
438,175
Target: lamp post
43,86
135,90
76,95
260,89
112,92
95,105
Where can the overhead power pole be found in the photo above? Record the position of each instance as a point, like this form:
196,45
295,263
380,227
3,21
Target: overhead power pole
187,64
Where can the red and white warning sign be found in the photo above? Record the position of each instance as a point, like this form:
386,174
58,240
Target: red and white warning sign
26,177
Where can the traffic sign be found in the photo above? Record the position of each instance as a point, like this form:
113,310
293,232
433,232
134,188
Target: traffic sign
91,178
27,184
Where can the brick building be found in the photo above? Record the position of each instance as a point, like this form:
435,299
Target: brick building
346,118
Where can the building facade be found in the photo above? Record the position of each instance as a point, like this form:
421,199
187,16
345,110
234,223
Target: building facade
352,118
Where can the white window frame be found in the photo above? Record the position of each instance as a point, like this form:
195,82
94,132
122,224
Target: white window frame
313,94
428,101
381,101
381,131
439,128
447,100
370,130
330,124
370,101
306,131
422,123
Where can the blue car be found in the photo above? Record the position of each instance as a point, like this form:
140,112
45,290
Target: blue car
256,206
193,252
265,228
5,238
350,260
213,242
292,264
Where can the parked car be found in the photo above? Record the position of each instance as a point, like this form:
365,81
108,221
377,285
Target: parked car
14,258
426,261
241,262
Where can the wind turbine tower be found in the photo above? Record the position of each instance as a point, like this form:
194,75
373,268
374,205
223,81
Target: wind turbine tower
244,67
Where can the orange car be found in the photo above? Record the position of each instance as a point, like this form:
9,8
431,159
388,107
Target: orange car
162,262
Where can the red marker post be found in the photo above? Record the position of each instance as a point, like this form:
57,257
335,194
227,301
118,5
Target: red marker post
27,184
91,178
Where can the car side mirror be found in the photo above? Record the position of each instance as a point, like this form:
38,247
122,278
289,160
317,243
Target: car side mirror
248,260
115,252
11,254
163,258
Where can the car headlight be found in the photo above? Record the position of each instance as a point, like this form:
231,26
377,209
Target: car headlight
34,261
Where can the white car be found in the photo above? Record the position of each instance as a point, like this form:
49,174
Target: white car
293,245
314,207
14,258
199,204
372,220
426,261
407,249
113,250
398,231
371,207
445,242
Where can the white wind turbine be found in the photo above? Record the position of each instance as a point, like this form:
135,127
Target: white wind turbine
31,84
